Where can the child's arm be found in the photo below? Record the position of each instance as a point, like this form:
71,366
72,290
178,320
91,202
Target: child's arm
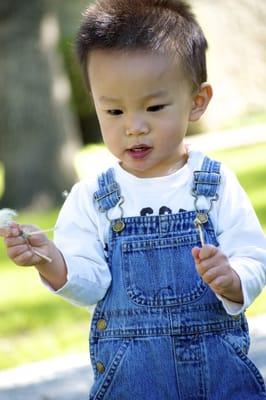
239,262
78,271
214,268
21,250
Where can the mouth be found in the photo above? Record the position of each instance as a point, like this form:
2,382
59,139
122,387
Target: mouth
139,151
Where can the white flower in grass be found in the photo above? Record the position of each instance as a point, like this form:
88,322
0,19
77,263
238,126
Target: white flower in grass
6,217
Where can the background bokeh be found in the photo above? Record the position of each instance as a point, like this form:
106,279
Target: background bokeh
47,116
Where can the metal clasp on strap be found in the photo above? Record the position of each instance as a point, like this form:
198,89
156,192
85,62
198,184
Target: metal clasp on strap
211,201
118,225
202,217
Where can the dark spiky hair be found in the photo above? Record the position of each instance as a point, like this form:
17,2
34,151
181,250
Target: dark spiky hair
166,26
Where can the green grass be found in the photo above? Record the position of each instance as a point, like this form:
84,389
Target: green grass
36,325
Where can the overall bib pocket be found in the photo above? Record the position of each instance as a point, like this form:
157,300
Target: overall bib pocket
161,271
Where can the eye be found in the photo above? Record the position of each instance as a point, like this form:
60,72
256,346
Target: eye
114,112
156,108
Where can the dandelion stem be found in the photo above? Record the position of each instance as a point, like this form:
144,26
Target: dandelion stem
48,259
40,231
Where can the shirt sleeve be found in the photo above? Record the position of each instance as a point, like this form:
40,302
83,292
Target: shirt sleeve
76,236
242,239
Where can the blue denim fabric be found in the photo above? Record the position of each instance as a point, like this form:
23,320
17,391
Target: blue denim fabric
160,333
108,194
207,180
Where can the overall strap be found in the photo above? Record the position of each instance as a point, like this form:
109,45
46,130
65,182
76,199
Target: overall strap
108,194
206,183
207,180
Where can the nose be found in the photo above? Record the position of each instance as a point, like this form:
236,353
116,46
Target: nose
136,125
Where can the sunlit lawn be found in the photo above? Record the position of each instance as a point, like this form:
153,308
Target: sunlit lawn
36,325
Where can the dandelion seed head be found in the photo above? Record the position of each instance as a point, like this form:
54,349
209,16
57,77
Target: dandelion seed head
65,193
6,217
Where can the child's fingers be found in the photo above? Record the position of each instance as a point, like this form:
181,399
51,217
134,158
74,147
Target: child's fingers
2,232
12,230
195,253
17,234
26,258
37,239
22,254
12,241
210,275
16,251
209,262
22,246
205,262
207,251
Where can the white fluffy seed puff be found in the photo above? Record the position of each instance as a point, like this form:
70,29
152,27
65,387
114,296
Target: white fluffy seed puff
6,217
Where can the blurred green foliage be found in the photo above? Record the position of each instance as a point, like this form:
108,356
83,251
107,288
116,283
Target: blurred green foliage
35,324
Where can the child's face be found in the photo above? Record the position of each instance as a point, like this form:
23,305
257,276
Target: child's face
143,102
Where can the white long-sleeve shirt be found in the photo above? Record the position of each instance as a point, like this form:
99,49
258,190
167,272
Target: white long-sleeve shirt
82,231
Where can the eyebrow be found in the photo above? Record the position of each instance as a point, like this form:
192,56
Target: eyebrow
159,93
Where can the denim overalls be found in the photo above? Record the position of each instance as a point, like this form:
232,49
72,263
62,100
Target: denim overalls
160,333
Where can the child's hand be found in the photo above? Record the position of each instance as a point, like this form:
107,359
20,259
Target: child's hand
214,268
25,250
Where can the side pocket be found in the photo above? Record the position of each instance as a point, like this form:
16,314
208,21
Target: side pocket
106,362
240,346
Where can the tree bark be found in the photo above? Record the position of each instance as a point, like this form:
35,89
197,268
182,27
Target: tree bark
38,134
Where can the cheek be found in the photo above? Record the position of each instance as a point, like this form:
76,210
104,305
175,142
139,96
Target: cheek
110,134
171,132
177,122
169,127
105,125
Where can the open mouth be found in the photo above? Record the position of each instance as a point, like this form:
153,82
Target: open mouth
139,151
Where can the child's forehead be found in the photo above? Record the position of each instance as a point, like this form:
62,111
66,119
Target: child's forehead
134,54
122,65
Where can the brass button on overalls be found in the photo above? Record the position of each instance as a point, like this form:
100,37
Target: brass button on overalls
100,367
236,317
101,324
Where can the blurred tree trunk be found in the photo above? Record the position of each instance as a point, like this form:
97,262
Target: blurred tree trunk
38,136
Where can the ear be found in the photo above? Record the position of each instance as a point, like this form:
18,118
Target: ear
200,101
